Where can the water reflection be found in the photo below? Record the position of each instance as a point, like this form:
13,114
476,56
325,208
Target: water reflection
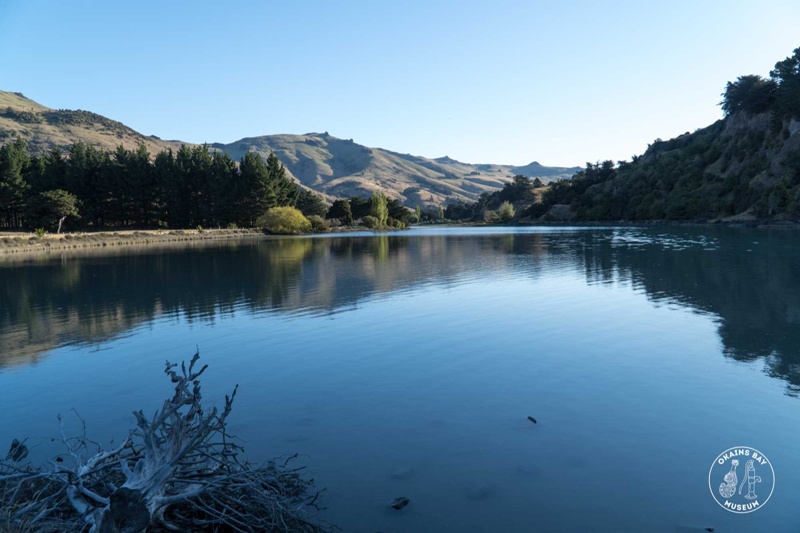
746,278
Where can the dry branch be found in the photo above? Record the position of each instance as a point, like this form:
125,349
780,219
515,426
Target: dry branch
179,470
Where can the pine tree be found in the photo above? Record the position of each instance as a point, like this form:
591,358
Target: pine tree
14,161
255,193
286,191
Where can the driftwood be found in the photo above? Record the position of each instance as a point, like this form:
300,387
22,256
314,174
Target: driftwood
177,471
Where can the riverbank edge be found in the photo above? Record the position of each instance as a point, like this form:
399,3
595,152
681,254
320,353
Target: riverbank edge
29,243
13,243
761,224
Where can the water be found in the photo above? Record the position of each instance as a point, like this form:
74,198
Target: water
407,364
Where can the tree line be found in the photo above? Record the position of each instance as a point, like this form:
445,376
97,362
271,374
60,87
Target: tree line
121,188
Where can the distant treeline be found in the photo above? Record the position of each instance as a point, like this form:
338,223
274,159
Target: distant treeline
129,188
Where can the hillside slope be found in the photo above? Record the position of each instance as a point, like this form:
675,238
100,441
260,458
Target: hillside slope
343,168
741,168
744,167
44,128
333,167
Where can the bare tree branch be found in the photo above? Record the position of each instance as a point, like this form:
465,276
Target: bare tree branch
179,470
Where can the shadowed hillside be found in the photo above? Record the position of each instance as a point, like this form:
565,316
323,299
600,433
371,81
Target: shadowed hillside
744,167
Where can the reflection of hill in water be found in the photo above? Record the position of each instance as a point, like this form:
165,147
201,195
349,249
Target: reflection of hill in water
87,298
747,278
751,288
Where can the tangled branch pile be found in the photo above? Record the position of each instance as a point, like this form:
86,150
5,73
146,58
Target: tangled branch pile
177,471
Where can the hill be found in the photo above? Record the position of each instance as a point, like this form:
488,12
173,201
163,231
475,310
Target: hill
340,168
744,167
325,164
43,128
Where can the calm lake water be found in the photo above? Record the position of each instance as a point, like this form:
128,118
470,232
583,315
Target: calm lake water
407,365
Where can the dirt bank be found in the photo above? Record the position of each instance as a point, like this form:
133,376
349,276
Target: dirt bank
20,242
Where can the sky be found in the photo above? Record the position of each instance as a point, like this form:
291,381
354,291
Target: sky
506,82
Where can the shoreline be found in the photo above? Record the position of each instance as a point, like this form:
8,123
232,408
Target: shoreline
12,243
27,243
18,243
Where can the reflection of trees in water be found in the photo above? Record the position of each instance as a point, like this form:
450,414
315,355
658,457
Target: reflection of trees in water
745,277
89,298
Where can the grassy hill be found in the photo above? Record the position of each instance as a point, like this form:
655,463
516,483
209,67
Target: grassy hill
330,166
343,168
44,128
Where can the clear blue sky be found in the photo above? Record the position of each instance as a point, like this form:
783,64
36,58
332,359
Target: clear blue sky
561,82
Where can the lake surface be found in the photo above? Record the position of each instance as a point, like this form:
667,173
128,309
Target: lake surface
407,365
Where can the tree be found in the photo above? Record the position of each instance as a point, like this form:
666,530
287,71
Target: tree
786,75
341,211
310,203
14,161
360,207
50,209
380,208
165,172
397,211
255,194
519,189
224,179
506,211
284,221
84,180
285,190
751,94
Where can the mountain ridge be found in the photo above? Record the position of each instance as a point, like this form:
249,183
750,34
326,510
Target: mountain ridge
320,162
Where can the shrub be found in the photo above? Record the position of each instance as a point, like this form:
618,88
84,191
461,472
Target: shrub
371,222
506,211
284,221
40,232
490,216
318,223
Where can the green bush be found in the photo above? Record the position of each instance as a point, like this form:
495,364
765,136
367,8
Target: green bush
506,211
284,221
370,222
40,232
318,223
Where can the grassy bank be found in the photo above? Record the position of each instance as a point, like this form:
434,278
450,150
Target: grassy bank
20,242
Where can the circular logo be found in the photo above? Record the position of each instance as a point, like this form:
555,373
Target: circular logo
741,480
